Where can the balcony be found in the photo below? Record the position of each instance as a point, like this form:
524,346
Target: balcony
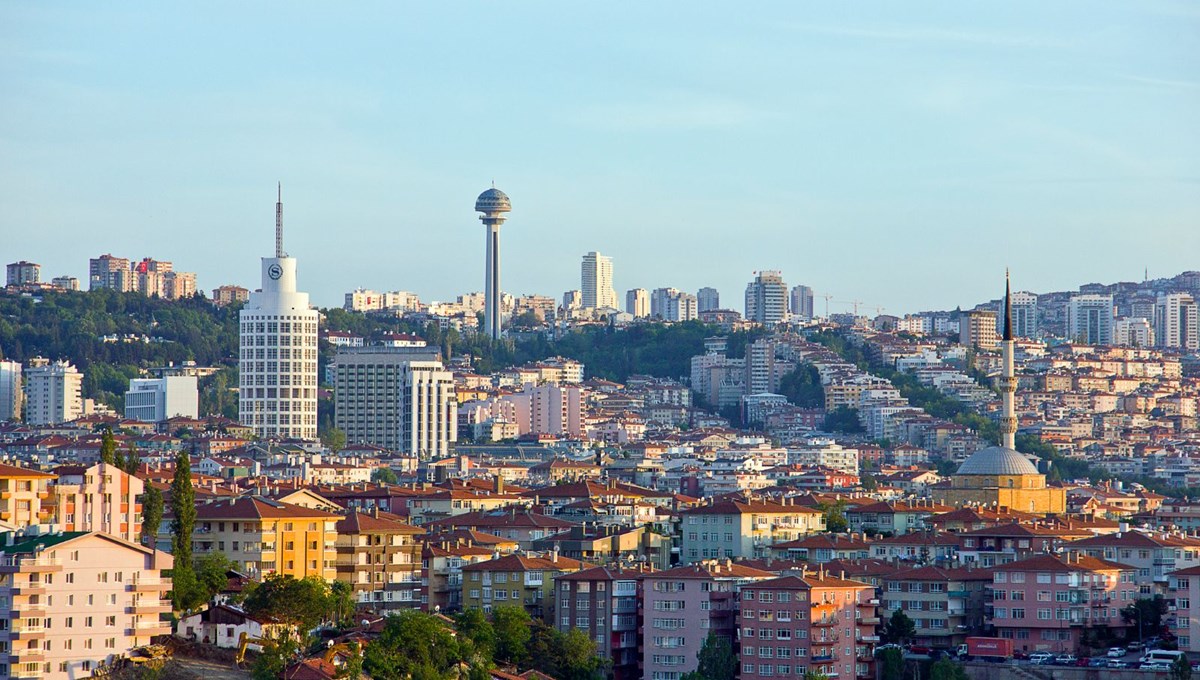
868,620
149,606
826,622
958,593
22,671
27,610
816,658
11,564
27,655
149,584
29,588
868,638
23,631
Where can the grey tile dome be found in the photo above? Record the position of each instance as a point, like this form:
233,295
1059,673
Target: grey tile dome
997,460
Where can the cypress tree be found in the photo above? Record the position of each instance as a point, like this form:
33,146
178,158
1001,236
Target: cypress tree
183,507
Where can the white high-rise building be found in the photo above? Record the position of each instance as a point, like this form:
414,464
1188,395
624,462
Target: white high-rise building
278,351
767,298
400,398
53,392
708,299
1133,332
1024,315
671,304
10,390
637,303
802,303
1175,321
1090,319
596,279
153,400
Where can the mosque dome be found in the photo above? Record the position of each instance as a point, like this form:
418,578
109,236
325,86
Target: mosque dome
997,460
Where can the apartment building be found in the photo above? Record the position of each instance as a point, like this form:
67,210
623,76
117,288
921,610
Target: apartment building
1176,321
379,555
400,398
518,580
946,604
53,392
441,575
1090,319
681,606
21,273
603,602
1152,555
153,400
744,529
1049,601
767,298
101,497
11,396
263,536
815,621
977,329
24,497
77,601
1184,596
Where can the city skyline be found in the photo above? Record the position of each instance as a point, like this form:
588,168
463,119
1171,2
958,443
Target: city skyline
828,148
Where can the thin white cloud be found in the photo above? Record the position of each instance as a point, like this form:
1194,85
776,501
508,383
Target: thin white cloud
923,34
1167,83
672,111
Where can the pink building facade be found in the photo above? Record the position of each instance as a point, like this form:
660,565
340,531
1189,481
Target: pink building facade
1047,602
681,606
78,601
101,498
812,622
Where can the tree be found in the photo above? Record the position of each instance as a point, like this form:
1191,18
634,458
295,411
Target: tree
945,669
473,625
183,507
278,650
513,633
211,575
384,475
1146,614
133,459
567,656
413,645
334,439
152,514
341,603
286,599
108,447
891,661
899,629
812,674
716,660
835,517
354,663
844,419
803,387
1181,668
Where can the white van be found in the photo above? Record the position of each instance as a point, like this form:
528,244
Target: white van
1166,656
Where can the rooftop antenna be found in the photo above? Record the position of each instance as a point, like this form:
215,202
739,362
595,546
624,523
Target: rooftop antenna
279,224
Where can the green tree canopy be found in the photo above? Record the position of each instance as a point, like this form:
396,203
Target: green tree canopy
947,669
384,475
152,514
891,664
183,507
414,645
287,599
512,626
900,628
716,660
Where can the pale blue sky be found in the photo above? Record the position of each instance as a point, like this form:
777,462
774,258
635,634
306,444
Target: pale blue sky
899,153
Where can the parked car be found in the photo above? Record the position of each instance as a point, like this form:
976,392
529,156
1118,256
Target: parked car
1135,646
1155,666
1065,660
1117,663
1098,662
1022,656
1083,662
1116,652
1041,658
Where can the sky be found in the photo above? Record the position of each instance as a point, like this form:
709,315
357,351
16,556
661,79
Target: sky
899,154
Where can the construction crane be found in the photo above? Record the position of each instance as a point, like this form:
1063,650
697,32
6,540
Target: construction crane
827,298
854,303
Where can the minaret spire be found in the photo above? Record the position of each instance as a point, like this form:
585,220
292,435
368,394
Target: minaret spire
1008,378
279,224
1007,308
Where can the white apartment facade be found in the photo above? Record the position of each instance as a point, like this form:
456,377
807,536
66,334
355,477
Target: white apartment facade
53,392
596,282
153,400
1175,321
1090,319
11,396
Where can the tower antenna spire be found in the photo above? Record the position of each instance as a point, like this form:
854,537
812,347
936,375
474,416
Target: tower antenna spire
279,223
